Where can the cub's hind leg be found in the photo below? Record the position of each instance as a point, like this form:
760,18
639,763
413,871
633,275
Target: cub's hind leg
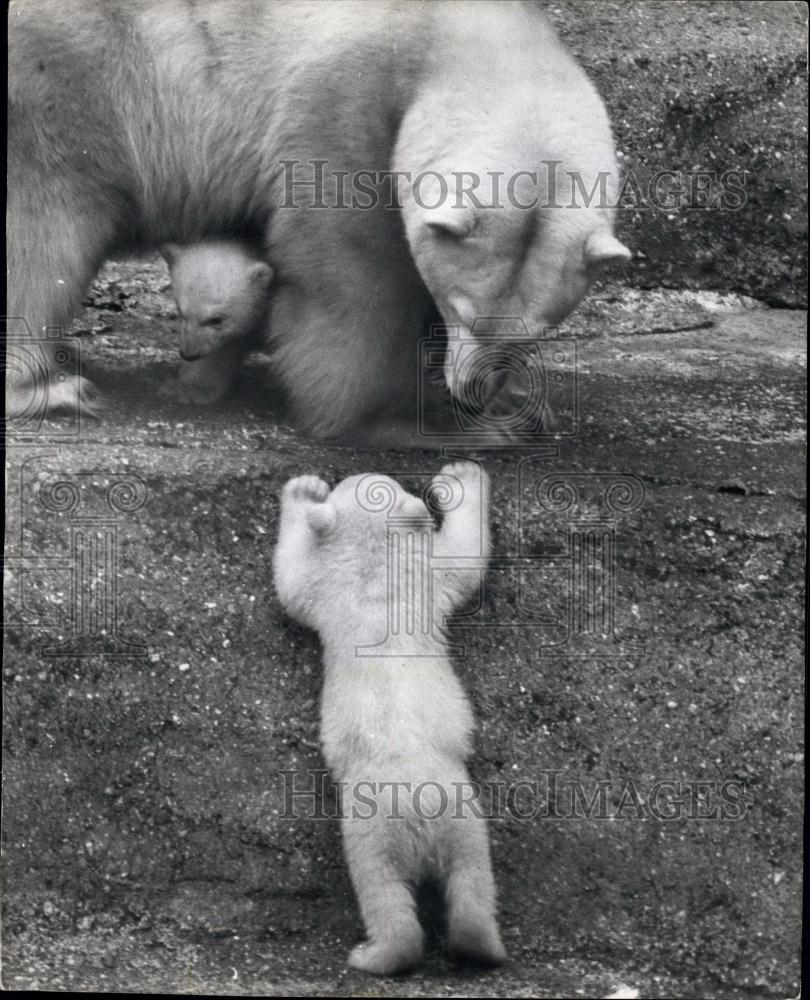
472,928
387,903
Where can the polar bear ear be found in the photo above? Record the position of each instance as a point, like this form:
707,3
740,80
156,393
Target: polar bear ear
321,517
602,249
169,252
458,221
261,275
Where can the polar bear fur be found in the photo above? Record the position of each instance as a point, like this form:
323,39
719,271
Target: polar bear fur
136,122
222,290
401,717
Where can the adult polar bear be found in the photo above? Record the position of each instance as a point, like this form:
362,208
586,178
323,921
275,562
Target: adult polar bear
135,122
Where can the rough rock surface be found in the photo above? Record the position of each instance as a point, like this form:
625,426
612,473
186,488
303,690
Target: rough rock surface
705,88
145,839
146,846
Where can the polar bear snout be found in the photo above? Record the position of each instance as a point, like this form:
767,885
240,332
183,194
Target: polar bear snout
478,373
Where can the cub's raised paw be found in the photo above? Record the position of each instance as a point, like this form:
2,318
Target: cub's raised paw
467,475
306,488
463,471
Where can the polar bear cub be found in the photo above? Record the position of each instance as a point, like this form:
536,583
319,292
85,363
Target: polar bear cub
393,712
221,288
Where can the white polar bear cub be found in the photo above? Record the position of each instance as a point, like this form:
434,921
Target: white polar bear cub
221,288
400,717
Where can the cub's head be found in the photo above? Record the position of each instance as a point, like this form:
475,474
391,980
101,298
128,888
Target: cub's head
221,289
351,522
331,563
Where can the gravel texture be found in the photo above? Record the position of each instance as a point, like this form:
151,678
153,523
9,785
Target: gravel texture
146,846
704,87
145,838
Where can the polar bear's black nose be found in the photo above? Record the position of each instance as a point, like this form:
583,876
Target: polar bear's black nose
190,355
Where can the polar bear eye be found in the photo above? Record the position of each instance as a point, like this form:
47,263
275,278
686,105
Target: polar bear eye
213,321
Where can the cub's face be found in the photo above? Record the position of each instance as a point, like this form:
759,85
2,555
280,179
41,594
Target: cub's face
490,269
221,292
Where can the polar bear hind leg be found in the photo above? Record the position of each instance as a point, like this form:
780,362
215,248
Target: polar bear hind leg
472,930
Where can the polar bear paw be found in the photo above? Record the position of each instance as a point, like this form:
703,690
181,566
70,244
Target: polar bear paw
470,477
389,957
306,489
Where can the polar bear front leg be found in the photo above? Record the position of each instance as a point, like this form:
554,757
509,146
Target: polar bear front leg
463,542
305,514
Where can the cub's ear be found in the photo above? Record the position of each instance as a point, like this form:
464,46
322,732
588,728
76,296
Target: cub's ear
447,218
170,252
321,517
261,275
602,249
